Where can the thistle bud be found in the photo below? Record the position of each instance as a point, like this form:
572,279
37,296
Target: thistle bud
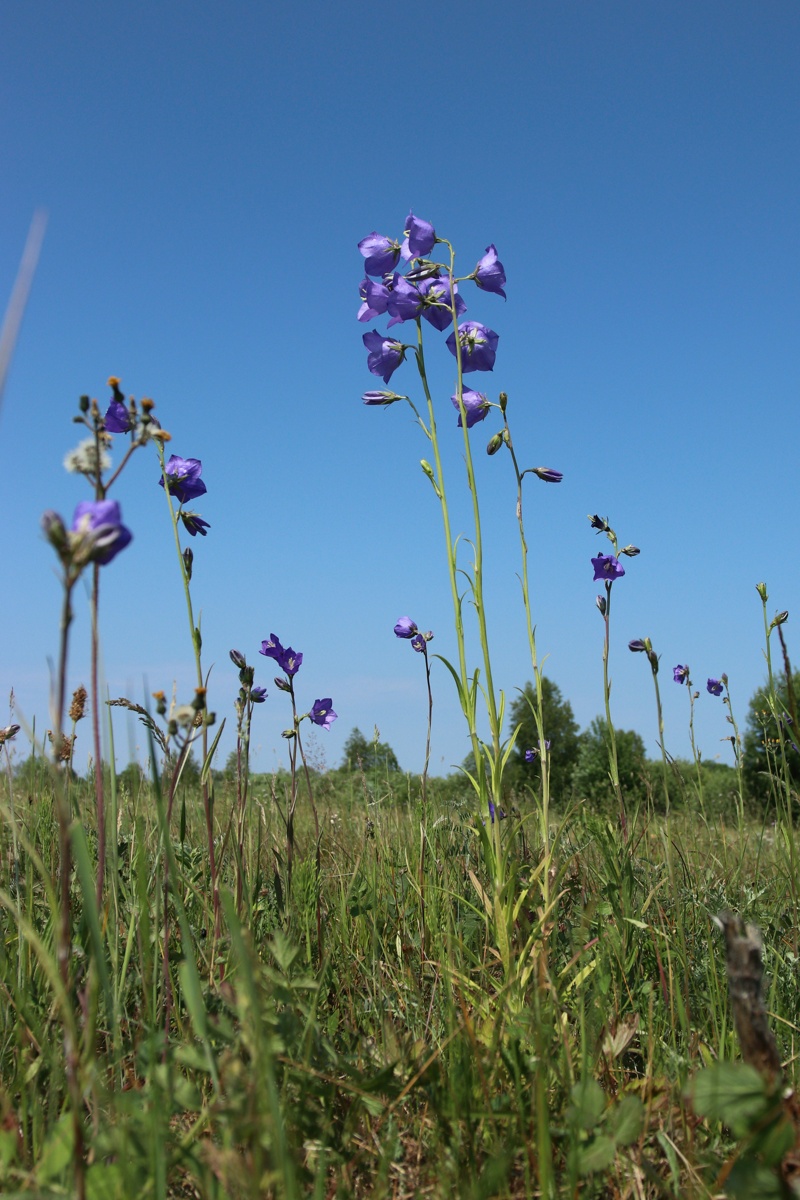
161,703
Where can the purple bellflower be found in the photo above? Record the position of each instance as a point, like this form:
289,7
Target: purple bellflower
288,661
258,695
680,674
183,478
419,643
714,686
420,237
478,346
322,714
436,307
117,418
476,406
384,355
404,302
607,567
406,628
530,755
381,253
193,523
489,273
96,535
374,299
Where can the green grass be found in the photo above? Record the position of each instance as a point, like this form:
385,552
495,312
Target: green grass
246,1061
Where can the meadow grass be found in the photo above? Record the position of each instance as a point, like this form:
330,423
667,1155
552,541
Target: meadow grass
256,1063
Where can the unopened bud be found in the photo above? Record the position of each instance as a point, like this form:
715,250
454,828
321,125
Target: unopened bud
188,559
83,404
282,684
503,401
494,444
631,551
761,588
601,604
161,703
199,702
779,619
289,734
238,659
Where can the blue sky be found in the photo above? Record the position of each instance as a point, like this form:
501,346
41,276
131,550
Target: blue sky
208,172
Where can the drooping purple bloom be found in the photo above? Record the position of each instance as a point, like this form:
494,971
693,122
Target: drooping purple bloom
286,658
436,308
117,418
548,474
714,686
680,674
476,405
406,628
322,714
404,302
599,523
418,643
384,355
530,755
420,237
183,477
98,534
478,346
381,397
380,252
489,273
258,695
374,298
193,523
607,567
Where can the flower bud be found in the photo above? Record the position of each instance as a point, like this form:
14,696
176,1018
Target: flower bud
779,619
761,588
601,604
494,444
188,559
503,400
161,703
637,646
83,404
547,474
282,684
238,659
199,702
631,551
54,531
599,523
289,734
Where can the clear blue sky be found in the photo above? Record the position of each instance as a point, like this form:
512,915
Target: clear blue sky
208,171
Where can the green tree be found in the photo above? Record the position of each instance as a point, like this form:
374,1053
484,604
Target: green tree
762,762
590,778
560,730
368,756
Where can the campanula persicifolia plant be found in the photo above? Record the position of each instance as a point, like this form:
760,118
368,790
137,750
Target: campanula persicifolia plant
249,696
321,713
608,568
406,284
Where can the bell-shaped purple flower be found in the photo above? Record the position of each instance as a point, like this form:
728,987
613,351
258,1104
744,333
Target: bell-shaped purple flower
477,344
607,567
384,355
419,644
193,523
489,273
406,628
287,659
420,237
476,405
714,686
436,295
258,695
404,301
680,674
117,418
183,478
381,253
374,298
97,533
322,713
